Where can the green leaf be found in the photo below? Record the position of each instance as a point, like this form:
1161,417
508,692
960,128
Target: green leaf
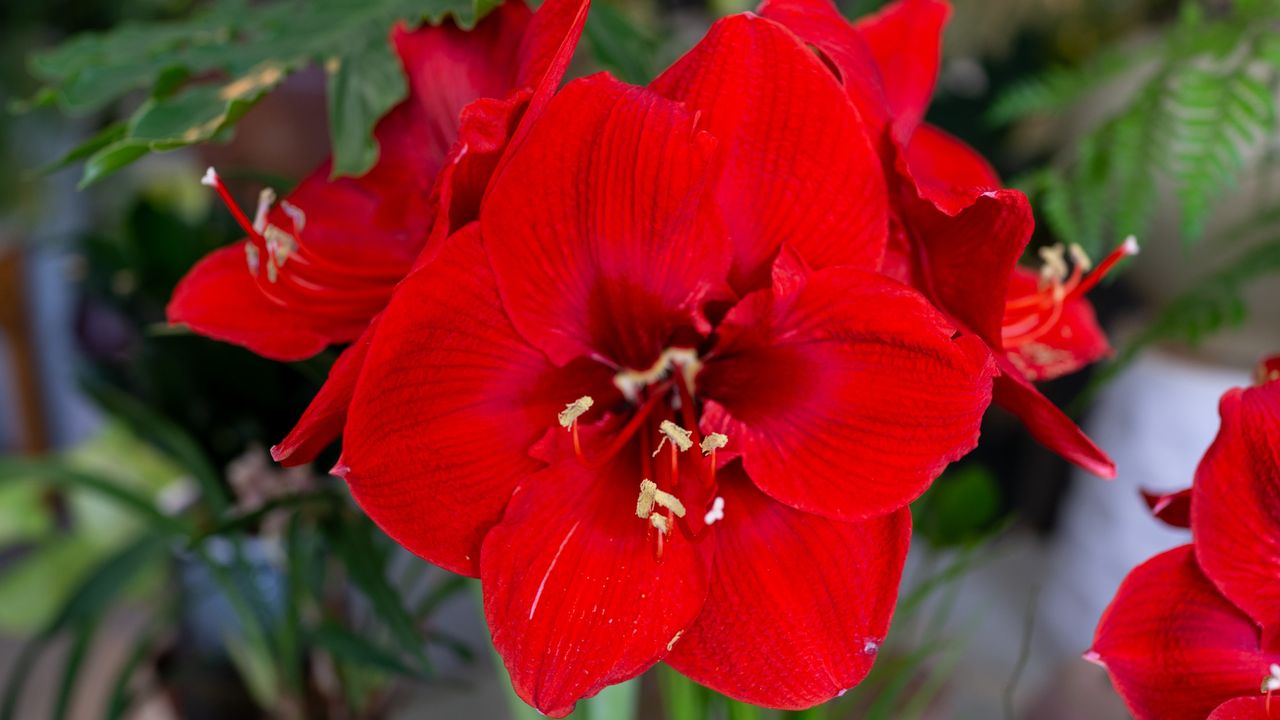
620,45
204,72
361,88
58,473
682,698
962,507
351,647
366,566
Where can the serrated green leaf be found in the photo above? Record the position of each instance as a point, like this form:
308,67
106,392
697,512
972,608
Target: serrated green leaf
362,87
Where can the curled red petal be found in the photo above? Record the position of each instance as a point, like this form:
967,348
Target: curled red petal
799,168
219,298
446,409
573,592
1174,509
905,38
1047,424
323,419
1235,518
1250,708
799,604
846,397
947,171
619,245
1174,647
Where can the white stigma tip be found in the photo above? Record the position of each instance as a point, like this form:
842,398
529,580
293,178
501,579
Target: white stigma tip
715,513
210,178
1130,246
574,410
871,647
714,441
1271,683
678,436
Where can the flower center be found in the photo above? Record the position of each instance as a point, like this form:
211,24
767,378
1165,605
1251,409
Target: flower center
312,283
1028,318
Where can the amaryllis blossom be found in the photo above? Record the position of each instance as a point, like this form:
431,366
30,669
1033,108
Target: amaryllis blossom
956,234
1195,632
319,266
659,399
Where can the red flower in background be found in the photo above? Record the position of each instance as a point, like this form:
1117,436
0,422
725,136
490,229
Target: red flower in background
691,271
1195,632
318,267
956,235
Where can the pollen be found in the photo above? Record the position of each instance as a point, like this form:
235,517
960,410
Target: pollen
295,214
681,438
713,442
674,639
252,258
1079,257
659,521
1054,267
266,199
650,496
574,410
716,512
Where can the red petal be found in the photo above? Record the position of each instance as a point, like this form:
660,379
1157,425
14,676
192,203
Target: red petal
448,405
905,38
1074,340
322,422
1235,517
619,246
846,397
219,298
799,168
1174,509
1267,371
1251,708
799,604
947,171
1047,424
963,260
573,594
820,24
1173,646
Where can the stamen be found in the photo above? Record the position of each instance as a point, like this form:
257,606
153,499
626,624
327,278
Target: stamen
676,434
713,442
1055,263
715,513
659,521
251,257
296,216
1079,257
574,410
266,199
1127,248
644,504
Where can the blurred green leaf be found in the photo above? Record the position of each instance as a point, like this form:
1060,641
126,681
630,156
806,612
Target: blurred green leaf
962,507
206,71
351,647
366,566
620,44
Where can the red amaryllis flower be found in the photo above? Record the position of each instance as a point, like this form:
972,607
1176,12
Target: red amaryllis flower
317,268
749,406
1193,632
956,234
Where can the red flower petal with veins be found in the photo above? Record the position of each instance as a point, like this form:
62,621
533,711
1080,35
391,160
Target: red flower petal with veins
832,417
1174,647
1235,517
798,605
801,173
905,38
1173,509
450,400
619,249
1252,708
573,593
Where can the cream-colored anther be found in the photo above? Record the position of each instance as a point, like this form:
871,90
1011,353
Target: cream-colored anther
266,199
644,504
295,214
714,441
1079,257
681,438
1054,267
659,521
574,410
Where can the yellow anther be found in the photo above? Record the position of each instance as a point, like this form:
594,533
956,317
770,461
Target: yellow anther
574,410
280,244
1079,257
681,438
1055,264
714,441
648,495
669,501
251,257
659,521
266,199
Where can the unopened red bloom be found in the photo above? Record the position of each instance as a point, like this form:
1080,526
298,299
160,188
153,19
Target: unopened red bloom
1195,632
318,267
956,234
659,399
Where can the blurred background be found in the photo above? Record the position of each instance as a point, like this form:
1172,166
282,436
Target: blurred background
154,563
